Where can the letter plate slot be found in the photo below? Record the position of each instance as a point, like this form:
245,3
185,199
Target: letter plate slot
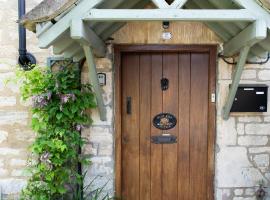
164,139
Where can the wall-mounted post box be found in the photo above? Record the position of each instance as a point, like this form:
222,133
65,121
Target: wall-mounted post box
250,98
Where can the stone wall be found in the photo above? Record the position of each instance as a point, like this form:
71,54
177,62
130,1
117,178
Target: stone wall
100,135
15,134
242,150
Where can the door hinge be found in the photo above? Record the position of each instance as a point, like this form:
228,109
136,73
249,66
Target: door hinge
213,98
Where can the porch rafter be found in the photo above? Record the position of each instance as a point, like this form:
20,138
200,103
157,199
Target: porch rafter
54,32
161,3
204,15
164,4
178,3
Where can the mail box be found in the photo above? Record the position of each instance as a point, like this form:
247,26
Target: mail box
250,98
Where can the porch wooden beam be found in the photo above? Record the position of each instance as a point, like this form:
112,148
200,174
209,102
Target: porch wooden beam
61,45
236,79
53,33
170,15
248,37
94,81
178,3
160,3
86,36
255,9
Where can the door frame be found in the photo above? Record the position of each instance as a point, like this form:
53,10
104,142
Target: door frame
124,48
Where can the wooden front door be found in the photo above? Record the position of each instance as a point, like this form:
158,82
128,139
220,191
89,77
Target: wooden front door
181,170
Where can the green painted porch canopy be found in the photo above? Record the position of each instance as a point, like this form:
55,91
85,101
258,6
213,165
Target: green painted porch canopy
52,21
75,28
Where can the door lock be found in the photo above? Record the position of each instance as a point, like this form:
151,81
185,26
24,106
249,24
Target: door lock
164,84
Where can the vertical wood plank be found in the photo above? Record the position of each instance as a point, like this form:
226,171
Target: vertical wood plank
118,125
211,123
199,126
156,107
183,123
130,127
145,125
170,105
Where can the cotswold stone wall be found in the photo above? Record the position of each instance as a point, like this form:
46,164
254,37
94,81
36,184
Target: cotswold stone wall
15,134
100,135
242,151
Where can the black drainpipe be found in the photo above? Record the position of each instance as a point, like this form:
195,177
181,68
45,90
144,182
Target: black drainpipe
26,60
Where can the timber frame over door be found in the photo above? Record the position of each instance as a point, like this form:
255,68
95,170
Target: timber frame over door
169,50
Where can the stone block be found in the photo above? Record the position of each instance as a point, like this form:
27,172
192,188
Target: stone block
100,135
240,129
88,149
238,192
3,172
3,136
244,198
267,119
249,119
248,74
261,160
11,185
258,129
223,194
16,162
103,63
226,132
1,162
224,70
256,150
249,191
264,75
105,149
252,140
9,151
7,101
13,117
233,169
24,135
17,172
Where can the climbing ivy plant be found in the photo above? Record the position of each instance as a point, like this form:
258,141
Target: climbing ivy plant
59,102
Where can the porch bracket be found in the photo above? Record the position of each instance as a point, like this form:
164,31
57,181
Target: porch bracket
236,79
94,81
86,36
251,35
242,42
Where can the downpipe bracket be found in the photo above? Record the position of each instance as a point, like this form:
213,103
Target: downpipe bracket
26,60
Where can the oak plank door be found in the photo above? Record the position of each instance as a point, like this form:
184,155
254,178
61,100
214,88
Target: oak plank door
177,171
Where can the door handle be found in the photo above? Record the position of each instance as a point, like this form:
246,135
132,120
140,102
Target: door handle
164,139
128,105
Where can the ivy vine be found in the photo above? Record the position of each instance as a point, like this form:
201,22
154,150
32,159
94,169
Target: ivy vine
59,102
